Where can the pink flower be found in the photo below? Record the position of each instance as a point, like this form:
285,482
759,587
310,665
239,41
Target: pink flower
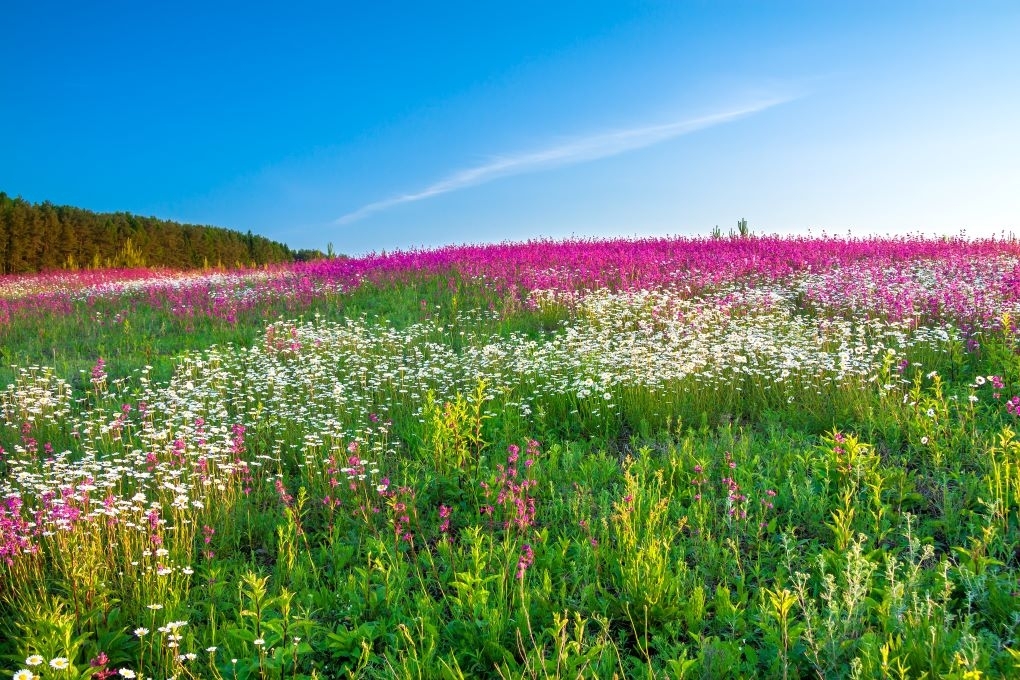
526,559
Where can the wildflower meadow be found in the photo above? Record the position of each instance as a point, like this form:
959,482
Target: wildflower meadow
720,457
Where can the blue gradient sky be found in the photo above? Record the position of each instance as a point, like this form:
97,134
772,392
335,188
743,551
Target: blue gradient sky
406,125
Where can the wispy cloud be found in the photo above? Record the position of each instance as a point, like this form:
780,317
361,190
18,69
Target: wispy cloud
578,151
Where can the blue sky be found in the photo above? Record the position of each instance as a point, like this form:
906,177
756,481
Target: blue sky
383,125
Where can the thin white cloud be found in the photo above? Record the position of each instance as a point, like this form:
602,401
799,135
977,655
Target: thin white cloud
581,150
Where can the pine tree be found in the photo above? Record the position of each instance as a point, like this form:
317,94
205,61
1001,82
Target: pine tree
35,237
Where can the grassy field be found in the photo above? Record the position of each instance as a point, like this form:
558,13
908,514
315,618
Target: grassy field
716,458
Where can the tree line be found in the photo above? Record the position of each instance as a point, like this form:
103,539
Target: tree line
41,236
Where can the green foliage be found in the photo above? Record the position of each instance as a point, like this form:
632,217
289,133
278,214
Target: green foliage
42,236
695,531
453,431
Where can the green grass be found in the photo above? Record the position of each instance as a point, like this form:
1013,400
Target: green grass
687,530
129,334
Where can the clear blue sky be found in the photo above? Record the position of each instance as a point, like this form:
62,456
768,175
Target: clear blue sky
383,125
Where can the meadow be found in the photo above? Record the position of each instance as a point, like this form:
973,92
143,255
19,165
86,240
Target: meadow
723,457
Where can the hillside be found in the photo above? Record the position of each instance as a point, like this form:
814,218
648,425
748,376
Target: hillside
746,457
42,236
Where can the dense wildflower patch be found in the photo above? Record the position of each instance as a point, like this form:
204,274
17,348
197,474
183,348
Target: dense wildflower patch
713,457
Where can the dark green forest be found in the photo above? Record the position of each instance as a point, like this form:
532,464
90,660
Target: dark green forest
41,236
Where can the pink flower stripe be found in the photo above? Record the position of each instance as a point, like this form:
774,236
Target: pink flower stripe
871,273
